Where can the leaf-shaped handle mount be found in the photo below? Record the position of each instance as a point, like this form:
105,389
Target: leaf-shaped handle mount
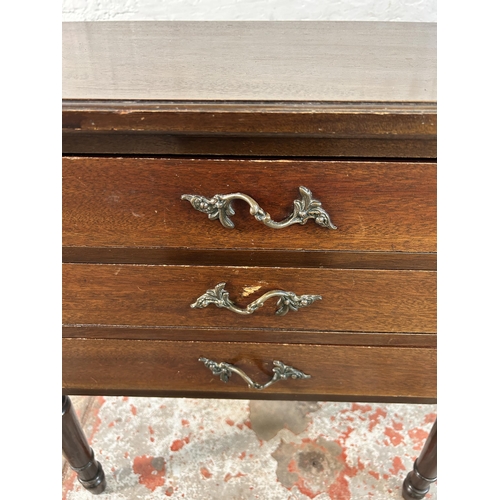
220,207
288,301
280,372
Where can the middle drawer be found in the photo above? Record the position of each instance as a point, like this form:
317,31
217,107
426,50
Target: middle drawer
161,296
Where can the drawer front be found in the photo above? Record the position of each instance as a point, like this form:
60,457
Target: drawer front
173,368
160,296
136,202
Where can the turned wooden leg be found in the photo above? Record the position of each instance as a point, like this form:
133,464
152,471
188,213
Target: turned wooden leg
78,453
418,481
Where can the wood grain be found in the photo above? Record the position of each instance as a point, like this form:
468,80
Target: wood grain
250,61
261,258
222,334
140,295
169,368
292,129
320,119
136,202
244,146
304,95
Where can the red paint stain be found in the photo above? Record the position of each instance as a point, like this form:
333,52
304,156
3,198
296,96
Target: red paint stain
178,444
240,426
229,476
375,416
96,421
395,437
386,476
185,422
169,491
376,475
151,430
126,455
133,409
242,456
430,418
361,408
149,476
68,484
304,489
248,424
205,473
229,421
397,425
125,398
111,424
300,483
339,488
343,437
397,466
418,436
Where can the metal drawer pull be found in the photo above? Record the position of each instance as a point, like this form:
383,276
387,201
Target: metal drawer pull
220,207
287,301
281,372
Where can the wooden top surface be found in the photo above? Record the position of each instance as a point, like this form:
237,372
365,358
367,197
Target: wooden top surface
250,61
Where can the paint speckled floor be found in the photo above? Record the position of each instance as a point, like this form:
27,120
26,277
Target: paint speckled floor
152,448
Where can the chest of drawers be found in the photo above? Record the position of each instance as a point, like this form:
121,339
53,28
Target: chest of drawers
256,126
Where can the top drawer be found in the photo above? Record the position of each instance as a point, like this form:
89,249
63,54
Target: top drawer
136,202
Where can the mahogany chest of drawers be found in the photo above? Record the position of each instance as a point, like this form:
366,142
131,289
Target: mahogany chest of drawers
317,143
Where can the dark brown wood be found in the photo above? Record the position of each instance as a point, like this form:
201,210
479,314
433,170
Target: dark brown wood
258,129
306,119
417,483
136,202
250,61
222,334
353,300
253,146
78,453
261,258
167,368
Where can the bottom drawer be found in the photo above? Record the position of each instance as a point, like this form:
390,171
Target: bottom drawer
170,368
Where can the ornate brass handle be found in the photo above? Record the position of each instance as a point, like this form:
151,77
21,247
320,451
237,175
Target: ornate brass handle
220,207
287,301
280,370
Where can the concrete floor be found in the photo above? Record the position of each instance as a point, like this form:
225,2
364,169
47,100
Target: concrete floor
200,449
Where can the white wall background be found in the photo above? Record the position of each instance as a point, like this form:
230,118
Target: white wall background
251,10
